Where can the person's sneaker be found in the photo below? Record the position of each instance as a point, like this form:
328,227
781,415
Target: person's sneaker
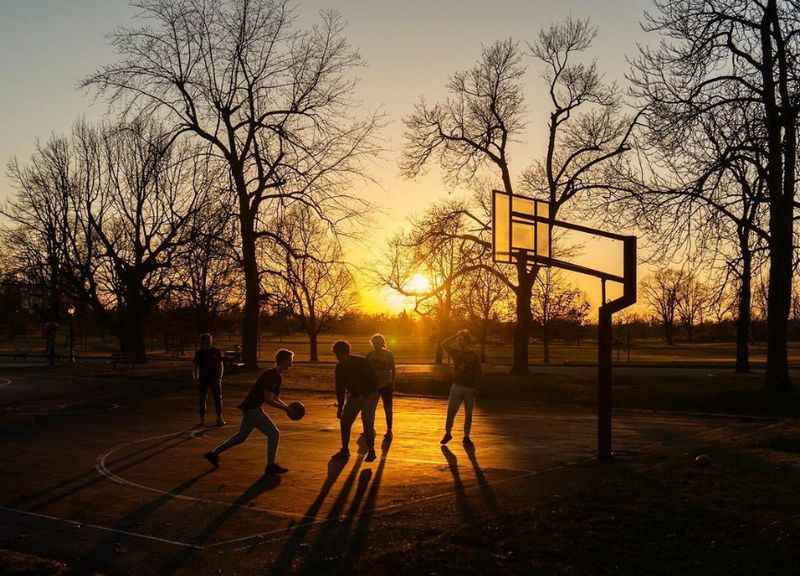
275,469
446,438
468,442
213,458
342,454
370,456
220,422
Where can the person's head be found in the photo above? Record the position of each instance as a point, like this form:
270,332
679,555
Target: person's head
206,340
378,342
464,340
283,359
341,349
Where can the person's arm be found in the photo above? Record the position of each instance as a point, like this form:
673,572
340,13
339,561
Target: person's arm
339,378
221,365
394,374
274,400
447,343
195,369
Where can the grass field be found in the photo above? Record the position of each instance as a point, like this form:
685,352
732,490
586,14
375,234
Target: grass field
417,349
100,472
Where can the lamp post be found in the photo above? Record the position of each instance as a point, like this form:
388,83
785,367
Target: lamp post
71,314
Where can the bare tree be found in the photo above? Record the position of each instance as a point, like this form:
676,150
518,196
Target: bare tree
484,293
133,196
554,299
208,272
661,290
311,276
438,248
471,131
34,235
719,57
271,100
692,303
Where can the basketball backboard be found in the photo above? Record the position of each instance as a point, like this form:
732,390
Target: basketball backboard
522,227
516,228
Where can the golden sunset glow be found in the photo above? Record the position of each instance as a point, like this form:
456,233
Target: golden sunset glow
418,284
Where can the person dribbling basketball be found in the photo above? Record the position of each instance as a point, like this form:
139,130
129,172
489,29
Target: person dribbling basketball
266,390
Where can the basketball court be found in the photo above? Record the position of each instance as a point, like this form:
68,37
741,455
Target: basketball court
122,486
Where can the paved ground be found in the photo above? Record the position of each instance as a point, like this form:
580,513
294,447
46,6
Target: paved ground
119,484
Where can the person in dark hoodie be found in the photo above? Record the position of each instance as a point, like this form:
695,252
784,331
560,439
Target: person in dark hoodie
356,392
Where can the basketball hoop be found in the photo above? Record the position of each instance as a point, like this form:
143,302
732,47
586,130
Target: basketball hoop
522,230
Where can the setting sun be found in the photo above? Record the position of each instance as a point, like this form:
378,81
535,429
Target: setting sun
418,284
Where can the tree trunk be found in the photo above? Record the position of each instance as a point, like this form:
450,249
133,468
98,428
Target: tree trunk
546,341
780,122
484,331
779,300
519,362
668,333
444,328
203,319
313,347
251,296
132,317
743,320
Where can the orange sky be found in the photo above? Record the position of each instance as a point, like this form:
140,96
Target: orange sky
410,47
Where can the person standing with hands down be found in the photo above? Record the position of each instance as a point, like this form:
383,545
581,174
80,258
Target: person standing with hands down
382,362
356,391
207,373
466,378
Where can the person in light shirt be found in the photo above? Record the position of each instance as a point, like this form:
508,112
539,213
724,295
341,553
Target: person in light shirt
382,362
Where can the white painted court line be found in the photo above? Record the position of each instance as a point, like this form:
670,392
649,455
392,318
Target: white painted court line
103,469
77,524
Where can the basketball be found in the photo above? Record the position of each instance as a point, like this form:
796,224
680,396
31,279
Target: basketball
296,410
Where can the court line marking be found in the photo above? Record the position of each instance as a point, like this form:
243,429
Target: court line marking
287,531
102,468
78,524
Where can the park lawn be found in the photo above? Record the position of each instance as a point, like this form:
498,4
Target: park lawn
418,348
717,390
661,514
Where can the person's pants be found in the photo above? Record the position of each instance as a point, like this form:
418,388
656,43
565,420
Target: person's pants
366,406
386,393
216,392
459,394
254,418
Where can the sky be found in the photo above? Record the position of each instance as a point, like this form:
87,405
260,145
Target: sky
411,47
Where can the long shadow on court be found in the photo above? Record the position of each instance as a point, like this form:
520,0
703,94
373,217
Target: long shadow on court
70,486
464,508
298,535
183,556
291,550
486,490
104,551
367,513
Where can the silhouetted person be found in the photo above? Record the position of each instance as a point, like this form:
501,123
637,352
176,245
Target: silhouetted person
355,392
382,362
466,378
207,373
266,390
